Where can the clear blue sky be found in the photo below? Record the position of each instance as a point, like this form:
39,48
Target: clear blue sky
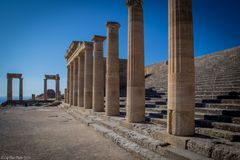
35,34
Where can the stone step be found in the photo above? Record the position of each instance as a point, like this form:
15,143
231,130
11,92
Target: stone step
223,106
214,93
132,143
216,85
225,112
226,126
236,120
162,121
228,97
233,101
159,148
217,81
213,117
218,133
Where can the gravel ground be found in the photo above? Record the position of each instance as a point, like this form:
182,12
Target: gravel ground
41,133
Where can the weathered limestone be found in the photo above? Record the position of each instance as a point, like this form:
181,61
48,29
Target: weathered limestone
57,79
80,80
10,77
65,95
33,97
45,89
135,106
20,89
9,89
98,74
58,94
112,69
88,74
71,85
75,82
180,69
68,84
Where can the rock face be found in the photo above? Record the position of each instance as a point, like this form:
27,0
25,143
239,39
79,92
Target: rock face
50,94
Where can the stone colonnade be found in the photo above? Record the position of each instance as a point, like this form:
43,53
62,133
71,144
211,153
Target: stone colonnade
10,77
57,79
88,56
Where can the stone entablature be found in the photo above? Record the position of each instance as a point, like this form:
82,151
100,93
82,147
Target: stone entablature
76,48
52,77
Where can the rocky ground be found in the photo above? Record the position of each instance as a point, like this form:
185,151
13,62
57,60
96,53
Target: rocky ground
50,133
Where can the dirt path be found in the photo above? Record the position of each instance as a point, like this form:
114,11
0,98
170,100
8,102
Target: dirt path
49,133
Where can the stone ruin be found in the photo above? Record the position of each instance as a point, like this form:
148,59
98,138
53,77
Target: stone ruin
160,117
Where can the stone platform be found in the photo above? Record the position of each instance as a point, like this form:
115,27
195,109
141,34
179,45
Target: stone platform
150,141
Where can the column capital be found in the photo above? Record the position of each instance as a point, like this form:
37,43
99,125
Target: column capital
97,38
134,3
88,45
113,25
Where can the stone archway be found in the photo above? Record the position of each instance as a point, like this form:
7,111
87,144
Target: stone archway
57,79
10,77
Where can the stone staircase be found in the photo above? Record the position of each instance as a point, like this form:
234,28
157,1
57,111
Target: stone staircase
217,114
217,94
136,139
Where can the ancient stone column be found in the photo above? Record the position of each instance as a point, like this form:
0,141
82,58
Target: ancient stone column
45,89
135,70
9,89
68,84
20,89
180,69
75,82
88,75
80,80
98,73
33,97
58,88
71,85
112,69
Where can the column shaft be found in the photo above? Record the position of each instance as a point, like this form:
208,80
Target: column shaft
75,82
80,80
135,71
58,89
98,73
20,89
88,77
45,89
112,69
71,85
65,95
9,89
180,69
68,84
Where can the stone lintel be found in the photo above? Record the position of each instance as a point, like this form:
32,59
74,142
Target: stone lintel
14,75
114,25
53,77
134,3
97,38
